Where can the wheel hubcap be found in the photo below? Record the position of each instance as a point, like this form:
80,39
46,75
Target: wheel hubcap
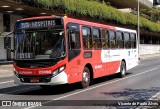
123,71
85,77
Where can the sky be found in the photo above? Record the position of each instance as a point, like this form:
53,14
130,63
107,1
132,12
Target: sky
151,0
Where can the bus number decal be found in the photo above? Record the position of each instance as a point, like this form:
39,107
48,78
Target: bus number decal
98,66
41,72
24,55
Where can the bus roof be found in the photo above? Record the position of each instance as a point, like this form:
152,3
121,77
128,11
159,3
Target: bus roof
89,23
83,22
37,18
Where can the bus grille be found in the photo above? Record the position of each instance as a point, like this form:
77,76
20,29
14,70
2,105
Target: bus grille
43,79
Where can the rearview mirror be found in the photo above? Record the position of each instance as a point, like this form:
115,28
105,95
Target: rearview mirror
10,49
7,42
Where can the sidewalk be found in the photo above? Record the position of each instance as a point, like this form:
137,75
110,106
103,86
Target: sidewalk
6,67
5,62
6,70
149,56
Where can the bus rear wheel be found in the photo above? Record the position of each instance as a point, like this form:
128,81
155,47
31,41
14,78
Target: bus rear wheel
123,69
85,78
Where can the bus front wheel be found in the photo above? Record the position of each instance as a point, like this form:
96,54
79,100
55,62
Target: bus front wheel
85,78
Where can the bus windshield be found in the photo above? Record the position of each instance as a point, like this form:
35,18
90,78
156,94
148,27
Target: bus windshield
40,44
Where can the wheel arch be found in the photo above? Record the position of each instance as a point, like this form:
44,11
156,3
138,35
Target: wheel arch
124,61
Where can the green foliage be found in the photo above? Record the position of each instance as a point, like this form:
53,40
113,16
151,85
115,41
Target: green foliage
98,10
152,14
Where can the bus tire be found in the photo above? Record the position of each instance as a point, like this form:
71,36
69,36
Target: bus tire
45,86
86,78
123,69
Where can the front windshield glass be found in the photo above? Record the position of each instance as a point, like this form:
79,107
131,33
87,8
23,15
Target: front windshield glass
40,44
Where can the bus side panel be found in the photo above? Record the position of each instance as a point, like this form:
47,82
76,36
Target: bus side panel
73,66
105,64
132,58
74,70
112,67
111,58
98,66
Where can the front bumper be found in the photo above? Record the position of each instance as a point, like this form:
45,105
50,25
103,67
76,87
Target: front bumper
61,78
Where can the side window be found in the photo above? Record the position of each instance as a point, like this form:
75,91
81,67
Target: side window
73,31
119,38
112,38
133,40
73,36
96,38
105,39
127,41
87,37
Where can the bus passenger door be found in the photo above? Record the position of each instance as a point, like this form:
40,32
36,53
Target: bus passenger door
73,53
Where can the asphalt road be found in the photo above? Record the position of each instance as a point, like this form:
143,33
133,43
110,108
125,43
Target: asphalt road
141,83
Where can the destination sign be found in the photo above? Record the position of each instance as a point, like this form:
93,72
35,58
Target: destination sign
37,24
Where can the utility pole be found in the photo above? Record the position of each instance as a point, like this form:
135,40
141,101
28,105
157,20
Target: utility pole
138,31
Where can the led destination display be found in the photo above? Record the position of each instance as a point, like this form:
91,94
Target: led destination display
38,24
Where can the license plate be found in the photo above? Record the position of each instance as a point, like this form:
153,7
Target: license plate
34,80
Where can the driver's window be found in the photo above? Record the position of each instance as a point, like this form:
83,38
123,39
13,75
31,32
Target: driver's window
73,40
73,36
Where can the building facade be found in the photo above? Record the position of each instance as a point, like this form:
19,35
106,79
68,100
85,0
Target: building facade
149,43
10,12
7,22
144,4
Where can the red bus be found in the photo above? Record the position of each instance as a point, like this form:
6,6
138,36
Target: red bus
53,50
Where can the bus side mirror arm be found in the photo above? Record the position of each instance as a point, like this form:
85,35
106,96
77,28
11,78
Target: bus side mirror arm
9,49
69,39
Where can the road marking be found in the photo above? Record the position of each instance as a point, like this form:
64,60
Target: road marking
154,96
84,90
6,82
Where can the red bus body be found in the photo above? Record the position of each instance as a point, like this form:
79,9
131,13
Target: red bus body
100,62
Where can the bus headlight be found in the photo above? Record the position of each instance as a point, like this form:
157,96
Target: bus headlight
15,72
59,70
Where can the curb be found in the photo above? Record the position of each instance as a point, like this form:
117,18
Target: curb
6,62
149,56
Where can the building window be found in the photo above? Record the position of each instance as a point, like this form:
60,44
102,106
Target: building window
6,22
142,38
146,39
156,2
155,40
